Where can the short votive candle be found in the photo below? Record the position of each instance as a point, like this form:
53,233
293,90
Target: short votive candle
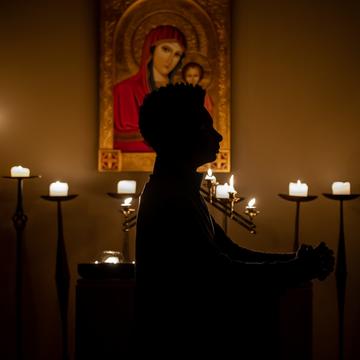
222,191
340,188
126,187
58,188
19,171
298,189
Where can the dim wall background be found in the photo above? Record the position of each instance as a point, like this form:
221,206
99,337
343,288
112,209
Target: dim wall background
295,115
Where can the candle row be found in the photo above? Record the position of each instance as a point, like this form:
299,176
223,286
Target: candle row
302,189
59,188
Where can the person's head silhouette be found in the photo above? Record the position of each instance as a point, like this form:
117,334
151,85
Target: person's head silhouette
175,123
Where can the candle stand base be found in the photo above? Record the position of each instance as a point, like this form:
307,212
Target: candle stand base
62,272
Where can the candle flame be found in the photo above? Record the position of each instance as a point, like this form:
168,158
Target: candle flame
128,201
251,203
209,172
232,181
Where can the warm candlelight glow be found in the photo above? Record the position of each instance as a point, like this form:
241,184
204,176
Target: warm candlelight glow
231,187
298,189
127,202
126,187
58,189
112,260
19,171
341,188
251,203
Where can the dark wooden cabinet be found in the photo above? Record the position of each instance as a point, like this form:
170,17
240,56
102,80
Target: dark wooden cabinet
105,320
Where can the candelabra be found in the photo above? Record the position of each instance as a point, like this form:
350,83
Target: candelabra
227,207
129,220
19,220
340,269
298,200
62,272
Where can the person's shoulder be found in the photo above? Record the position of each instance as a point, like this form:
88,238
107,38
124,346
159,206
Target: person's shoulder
127,84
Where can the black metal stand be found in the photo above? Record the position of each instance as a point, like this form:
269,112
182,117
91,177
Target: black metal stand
340,269
128,223
62,272
19,220
298,200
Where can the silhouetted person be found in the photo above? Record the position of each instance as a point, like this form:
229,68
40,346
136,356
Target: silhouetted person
194,285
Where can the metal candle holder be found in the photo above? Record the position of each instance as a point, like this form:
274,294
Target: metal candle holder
129,221
62,272
298,200
227,207
19,220
340,269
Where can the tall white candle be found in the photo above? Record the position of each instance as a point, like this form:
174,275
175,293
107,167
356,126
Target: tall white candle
126,187
340,188
19,171
222,191
298,189
58,189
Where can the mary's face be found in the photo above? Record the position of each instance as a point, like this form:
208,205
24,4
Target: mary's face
166,56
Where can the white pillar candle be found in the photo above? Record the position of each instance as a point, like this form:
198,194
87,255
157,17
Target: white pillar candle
341,188
126,187
222,191
298,189
19,171
58,189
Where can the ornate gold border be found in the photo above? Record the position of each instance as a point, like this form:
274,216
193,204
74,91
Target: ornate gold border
218,11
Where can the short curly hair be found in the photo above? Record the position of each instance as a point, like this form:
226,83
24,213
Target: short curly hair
170,114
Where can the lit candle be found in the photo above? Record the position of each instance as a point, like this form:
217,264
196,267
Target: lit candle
126,187
19,171
222,191
298,189
251,204
231,187
58,189
341,188
127,202
210,176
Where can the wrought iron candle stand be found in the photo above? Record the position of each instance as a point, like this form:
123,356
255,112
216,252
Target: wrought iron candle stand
19,220
298,200
62,272
341,269
129,221
227,207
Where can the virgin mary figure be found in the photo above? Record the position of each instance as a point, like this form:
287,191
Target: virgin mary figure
162,54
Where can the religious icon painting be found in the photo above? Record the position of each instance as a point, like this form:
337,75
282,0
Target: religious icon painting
146,44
